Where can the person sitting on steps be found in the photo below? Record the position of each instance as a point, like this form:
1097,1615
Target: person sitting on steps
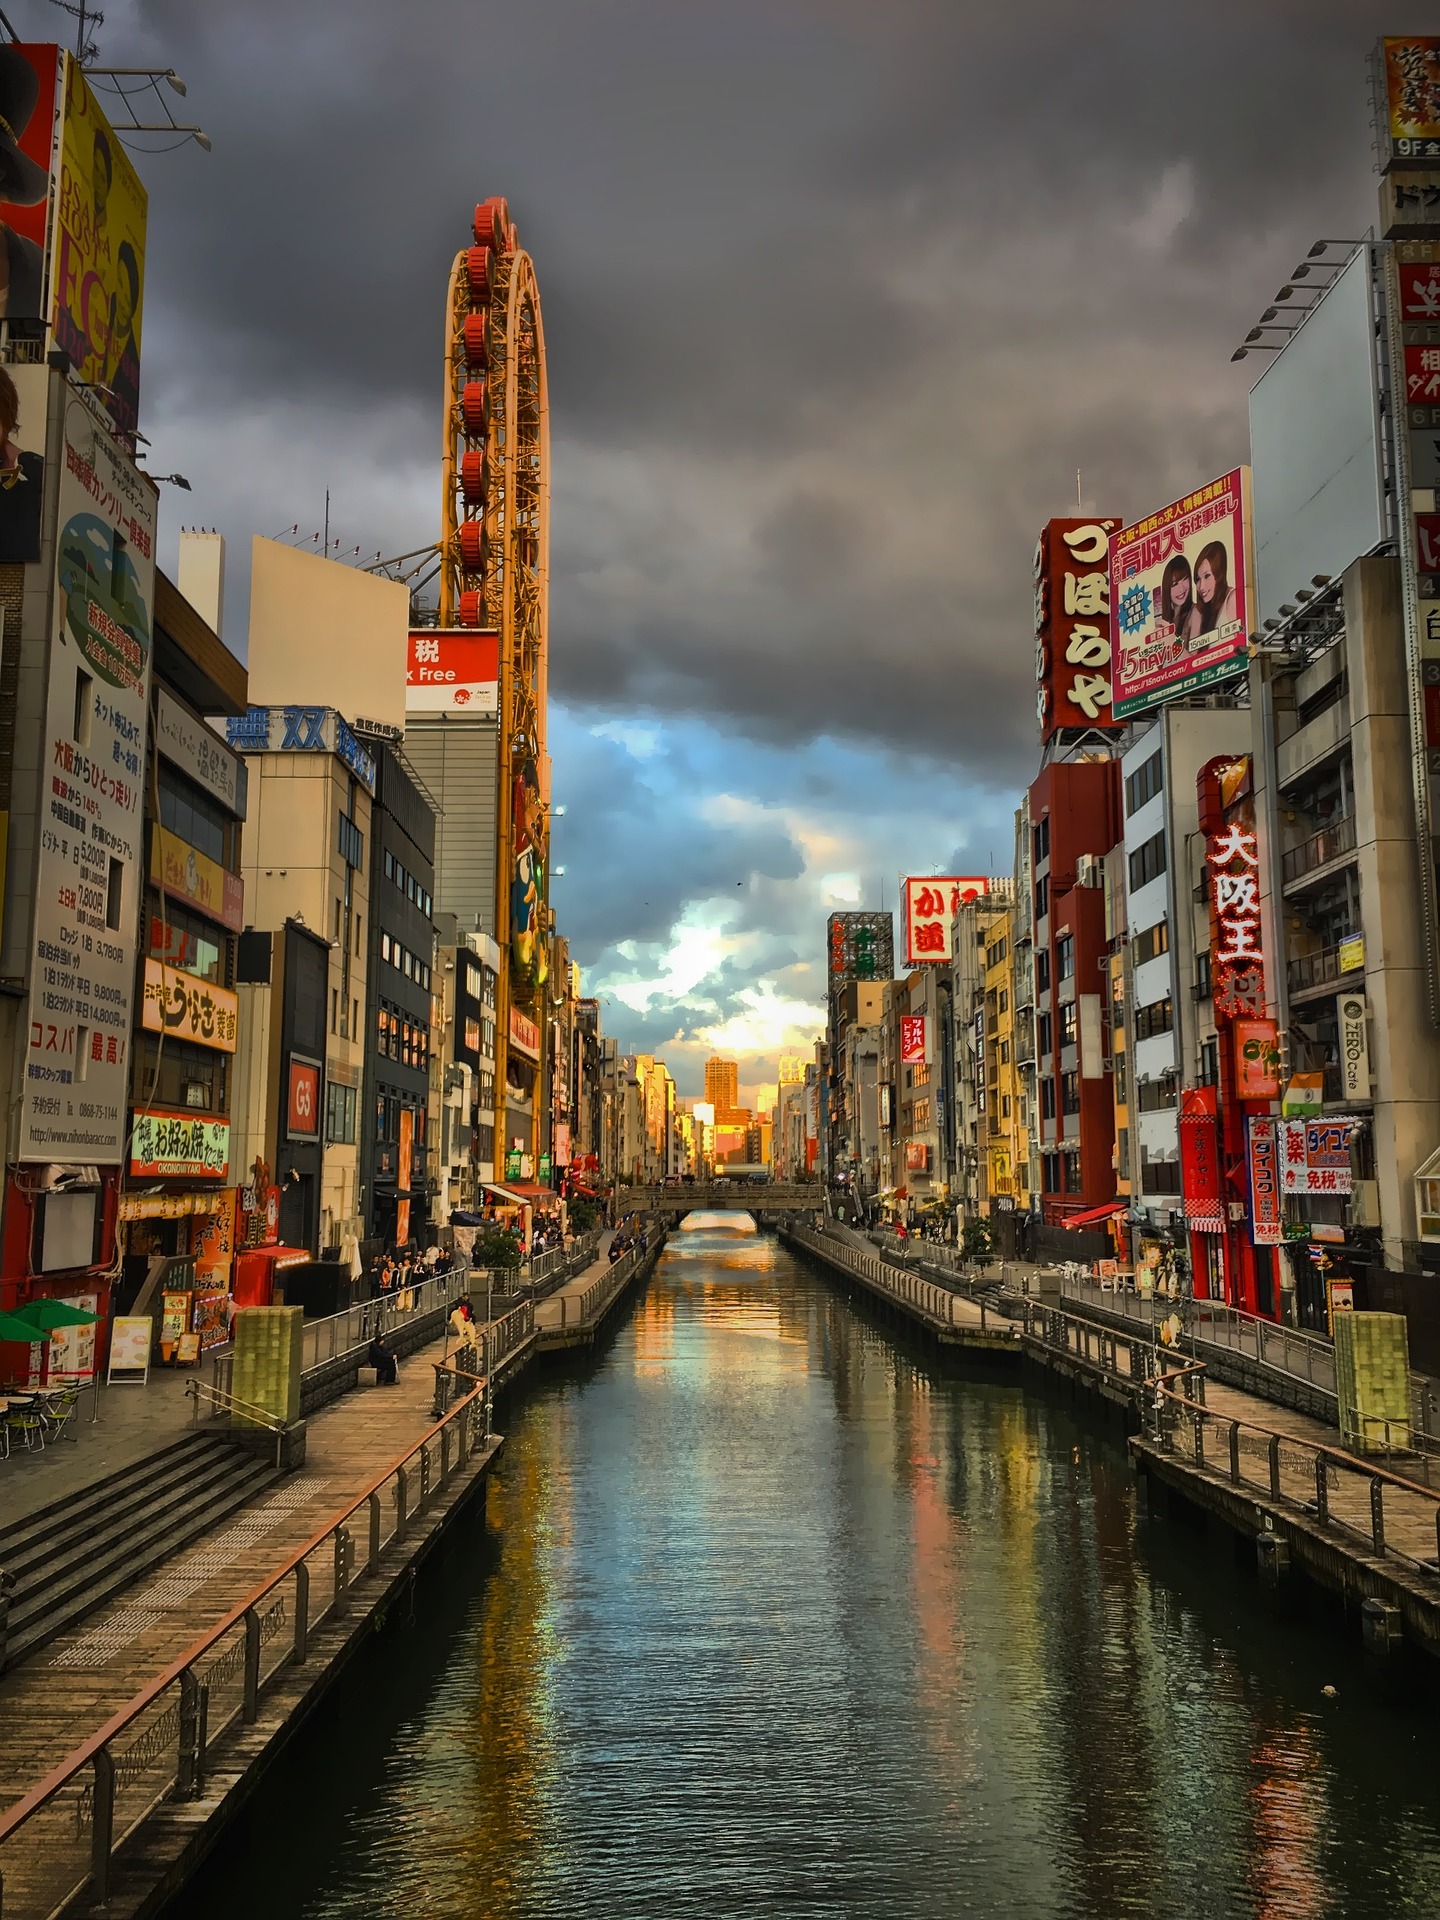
382,1358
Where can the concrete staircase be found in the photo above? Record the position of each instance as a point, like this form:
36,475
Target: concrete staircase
59,1564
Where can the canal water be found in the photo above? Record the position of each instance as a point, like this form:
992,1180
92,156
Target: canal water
775,1617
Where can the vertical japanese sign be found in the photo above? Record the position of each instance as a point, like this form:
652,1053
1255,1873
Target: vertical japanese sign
1200,1160
1180,583
98,254
1266,1225
87,877
914,1040
1409,100
1237,963
930,906
1073,667
402,1177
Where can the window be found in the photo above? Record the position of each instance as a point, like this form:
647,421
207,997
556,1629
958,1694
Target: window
334,1009
1156,1096
1202,974
1050,1163
1047,1099
1065,957
1042,970
183,939
188,812
1005,1107
1004,1053
1069,1093
1122,1153
389,864
1071,1163
335,923
1152,942
1069,1024
1004,1001
1122,1080
341,1108
84,708
1046,1031
114,893
1159,1176
996,954
385,947
1042,840
349,841
1042,896
175,1069
1144,783
1158,1017
1147,862
1210,1062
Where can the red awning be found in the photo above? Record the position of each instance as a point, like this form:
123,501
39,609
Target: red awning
1107,1212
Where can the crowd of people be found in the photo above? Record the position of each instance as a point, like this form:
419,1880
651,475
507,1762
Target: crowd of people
630,1232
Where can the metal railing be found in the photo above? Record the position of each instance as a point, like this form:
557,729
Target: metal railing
1304,1356
943,1306
579,1309
477,1361
1318,969
221,1402
1391,1516
1319,850
61,1837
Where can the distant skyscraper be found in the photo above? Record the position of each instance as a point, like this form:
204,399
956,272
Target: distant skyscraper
722,1085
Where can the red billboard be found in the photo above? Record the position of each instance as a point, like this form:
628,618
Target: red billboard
1200,1160
302,1101
914,1040
1266,1213
452,670
1072,625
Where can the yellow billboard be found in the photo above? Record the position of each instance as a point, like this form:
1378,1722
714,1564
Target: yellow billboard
97,255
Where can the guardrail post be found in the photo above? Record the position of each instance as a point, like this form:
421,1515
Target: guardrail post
1274,1452
1199,1417
102,1825
425,1489
302,1613
342,1569
402,1499
189,1728
1377,1514
252,1666
372,1560
1235,1452
1322,1491
444,1456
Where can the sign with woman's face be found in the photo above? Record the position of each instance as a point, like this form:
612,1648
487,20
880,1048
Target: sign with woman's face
1180,595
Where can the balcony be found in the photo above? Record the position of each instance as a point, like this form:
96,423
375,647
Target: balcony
1315,970
1322,849
1324,735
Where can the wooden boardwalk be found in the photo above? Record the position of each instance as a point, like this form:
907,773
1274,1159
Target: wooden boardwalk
574,1313
69,1688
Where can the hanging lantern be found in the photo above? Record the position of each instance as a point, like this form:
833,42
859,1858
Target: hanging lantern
476,339
472,409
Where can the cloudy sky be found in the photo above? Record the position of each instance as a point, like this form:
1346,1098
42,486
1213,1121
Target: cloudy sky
838,298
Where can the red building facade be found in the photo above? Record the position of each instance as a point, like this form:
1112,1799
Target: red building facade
1075,818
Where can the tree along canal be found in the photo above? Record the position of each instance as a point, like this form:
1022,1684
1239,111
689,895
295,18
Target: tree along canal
777,1618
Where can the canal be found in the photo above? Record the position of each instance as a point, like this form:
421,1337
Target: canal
776,1618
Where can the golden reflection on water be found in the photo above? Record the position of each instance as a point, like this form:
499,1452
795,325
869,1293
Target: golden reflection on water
784,1620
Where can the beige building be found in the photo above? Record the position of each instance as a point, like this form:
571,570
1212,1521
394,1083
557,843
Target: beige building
305,866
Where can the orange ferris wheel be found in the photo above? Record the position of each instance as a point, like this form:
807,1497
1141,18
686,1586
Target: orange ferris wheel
494,571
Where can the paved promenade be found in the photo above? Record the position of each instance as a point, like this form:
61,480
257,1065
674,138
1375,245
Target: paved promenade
69,1688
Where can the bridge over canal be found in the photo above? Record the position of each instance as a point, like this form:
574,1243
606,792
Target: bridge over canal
718,1196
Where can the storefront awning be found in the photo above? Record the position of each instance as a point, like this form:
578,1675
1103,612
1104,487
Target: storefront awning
1097,1214
522,1193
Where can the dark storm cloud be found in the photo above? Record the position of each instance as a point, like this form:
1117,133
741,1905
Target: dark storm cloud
838,298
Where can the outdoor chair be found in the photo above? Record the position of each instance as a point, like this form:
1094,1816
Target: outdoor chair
59,1414
30,1426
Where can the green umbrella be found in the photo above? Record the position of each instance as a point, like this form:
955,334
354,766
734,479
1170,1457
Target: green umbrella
12,1327
49,1314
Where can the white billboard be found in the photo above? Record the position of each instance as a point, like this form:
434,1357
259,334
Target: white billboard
1317,481
87,885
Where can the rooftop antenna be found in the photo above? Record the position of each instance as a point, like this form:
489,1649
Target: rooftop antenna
85,17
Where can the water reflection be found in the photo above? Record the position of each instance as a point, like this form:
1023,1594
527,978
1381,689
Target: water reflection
778,1620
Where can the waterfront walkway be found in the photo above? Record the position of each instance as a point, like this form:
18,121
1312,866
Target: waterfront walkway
51,1702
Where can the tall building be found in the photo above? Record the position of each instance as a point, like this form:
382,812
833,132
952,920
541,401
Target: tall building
722,1087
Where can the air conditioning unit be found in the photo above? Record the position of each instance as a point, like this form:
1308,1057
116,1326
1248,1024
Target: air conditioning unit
1089,870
